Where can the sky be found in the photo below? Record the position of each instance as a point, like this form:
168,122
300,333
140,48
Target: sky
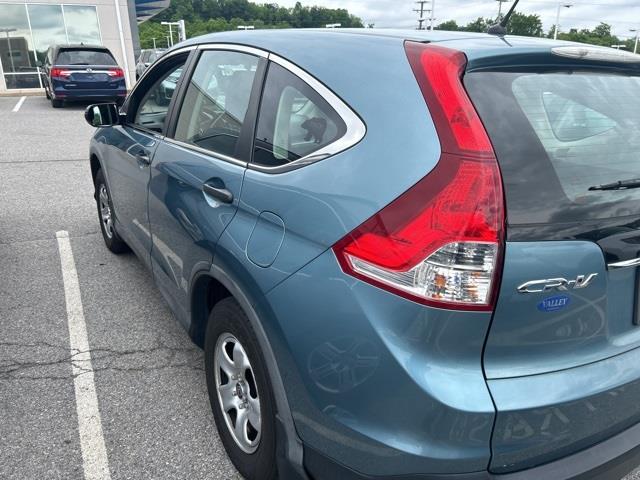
621,14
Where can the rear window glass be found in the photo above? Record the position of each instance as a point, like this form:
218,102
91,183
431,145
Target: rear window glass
558,134
85,57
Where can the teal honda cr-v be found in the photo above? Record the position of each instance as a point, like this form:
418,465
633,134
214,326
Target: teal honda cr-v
408,255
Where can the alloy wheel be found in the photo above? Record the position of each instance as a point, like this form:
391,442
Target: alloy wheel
105,211
237,392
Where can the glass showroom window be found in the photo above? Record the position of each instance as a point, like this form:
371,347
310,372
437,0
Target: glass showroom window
27,31
16,48
47,26
82,24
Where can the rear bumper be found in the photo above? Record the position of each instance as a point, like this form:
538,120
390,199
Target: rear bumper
89,95
611,460
541,418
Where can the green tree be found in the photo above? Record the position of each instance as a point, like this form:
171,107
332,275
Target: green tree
479,25
450,25
526,25
204,16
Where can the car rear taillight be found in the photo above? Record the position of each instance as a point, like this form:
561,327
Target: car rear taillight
116,72
60,73
441,241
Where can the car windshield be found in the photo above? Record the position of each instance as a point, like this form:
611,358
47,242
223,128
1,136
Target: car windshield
558,134
85,57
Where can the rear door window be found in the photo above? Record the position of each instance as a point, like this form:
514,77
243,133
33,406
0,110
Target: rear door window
558,134
216,101
294,121
85,57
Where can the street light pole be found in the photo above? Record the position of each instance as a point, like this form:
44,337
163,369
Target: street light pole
500,2
560,5
637,32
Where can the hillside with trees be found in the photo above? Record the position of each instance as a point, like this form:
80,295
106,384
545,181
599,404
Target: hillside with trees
531,26
206,16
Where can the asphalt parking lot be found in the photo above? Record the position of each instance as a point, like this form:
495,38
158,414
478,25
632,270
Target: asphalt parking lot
149,382
151,395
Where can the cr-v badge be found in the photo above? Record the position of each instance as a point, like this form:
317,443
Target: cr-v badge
562,284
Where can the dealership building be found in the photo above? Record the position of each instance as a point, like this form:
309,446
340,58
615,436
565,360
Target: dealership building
28,28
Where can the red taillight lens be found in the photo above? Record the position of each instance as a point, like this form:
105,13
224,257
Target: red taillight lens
116,73
60,73
440,242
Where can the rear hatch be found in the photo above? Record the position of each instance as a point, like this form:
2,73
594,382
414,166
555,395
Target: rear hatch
564,131
87,69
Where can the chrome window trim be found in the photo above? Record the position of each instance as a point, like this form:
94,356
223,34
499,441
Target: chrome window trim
161,60
234,48
205,152
356,129
625,264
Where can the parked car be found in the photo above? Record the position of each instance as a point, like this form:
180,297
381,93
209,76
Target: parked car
146,58
82,73
407,254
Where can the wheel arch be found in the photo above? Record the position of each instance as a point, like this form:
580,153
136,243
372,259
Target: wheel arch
210,287
95,166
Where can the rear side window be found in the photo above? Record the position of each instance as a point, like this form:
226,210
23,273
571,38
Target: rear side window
85,57
558,134
294,121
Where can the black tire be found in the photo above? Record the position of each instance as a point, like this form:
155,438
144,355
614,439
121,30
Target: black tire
111,238
228,318
56,103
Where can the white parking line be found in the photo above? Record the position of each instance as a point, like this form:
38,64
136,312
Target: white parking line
94,452
19,104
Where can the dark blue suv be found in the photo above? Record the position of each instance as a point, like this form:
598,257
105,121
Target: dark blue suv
82,73
408,255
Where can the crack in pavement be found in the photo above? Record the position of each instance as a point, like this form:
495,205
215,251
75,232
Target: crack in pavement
103,359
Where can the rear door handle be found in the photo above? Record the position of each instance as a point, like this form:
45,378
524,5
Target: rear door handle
219,193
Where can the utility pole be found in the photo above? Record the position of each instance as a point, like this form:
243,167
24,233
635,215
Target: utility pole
154,43
500,2
433,8
420,12
557,27
637,32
